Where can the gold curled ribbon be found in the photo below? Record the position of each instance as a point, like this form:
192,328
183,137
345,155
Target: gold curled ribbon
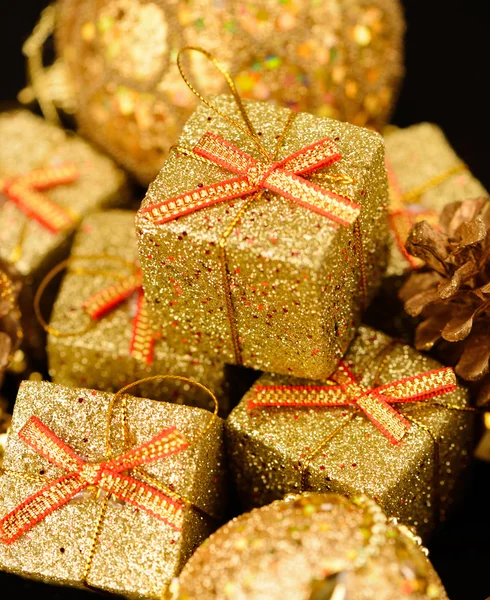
35,432
383,355
250,132
33,50
58,269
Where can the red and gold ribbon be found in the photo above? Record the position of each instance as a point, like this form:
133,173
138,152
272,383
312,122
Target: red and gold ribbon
106,300
376,403
282,177
25,191
104,475
254,177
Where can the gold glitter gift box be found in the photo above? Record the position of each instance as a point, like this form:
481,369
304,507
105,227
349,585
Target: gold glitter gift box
49,179
390,423
334,58
424,174
113,494
248,260
101,301
310,547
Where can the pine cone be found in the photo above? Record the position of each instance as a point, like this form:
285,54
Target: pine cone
10,328
451,293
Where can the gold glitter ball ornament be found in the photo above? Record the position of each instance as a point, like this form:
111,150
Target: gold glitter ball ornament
334,58
113,342
310,547
271,279
291,435
110,493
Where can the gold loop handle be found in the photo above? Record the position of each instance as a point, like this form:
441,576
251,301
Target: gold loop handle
33,51
123,390
52,274
249,131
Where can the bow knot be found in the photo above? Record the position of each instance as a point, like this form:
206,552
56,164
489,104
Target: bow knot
105,475
252,175
376,403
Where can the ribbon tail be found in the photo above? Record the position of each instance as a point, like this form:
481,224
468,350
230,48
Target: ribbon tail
142,340
101,303
315,156
419,387
298,396
38,506
47,444
49,177
197,199
38,207
338,209
388,420
145,497
167,442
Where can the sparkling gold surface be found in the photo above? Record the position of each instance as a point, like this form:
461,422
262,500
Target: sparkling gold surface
135,554
30,143
335,58
295,278
26,143
268,447
100,358
289,549
429,175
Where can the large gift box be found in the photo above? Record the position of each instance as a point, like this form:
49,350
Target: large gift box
101,302
424,174
49,179
263,245
390,423
110,493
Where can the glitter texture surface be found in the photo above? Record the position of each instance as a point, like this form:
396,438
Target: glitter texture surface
303,548
294,277
334,58
135,554
269,447
100,357
29,143
424,174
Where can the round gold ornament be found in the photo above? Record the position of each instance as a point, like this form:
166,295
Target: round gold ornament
310,547
335,58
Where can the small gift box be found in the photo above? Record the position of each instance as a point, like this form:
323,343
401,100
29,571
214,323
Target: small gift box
102,302
389,422
49,179
261,241
424,174
310,547
109,492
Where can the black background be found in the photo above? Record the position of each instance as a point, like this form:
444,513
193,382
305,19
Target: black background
447,55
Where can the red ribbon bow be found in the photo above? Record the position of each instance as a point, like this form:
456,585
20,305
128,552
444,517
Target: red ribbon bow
101,303
376,403
104,475
25,192
283,177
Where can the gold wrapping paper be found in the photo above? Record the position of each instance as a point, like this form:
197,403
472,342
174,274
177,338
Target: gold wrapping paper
424,174
335,58
100,357
294,278
134,553
416,480
29,143
310,547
